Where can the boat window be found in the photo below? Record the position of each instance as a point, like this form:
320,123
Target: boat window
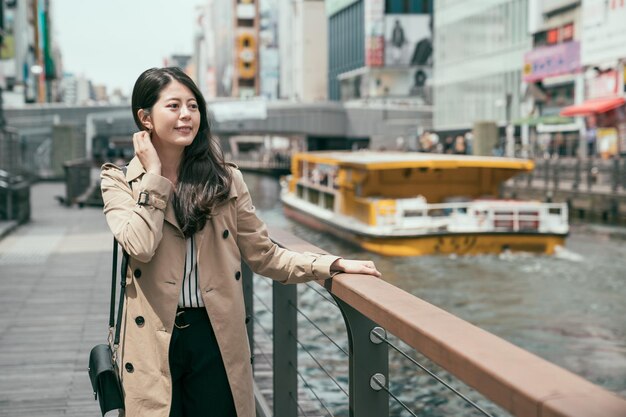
329,201
313,196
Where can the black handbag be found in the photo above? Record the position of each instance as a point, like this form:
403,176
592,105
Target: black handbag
103,370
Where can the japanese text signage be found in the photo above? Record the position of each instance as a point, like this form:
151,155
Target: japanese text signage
550,61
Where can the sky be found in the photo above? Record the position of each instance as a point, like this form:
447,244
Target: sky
111,42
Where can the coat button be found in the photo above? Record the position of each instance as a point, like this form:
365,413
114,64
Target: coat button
247,319
225,234
137,273
237,275
252,359
139,320
129,367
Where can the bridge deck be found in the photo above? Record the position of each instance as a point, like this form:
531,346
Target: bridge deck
54,286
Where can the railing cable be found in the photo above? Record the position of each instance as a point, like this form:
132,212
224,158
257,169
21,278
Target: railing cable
262,303
330,300
321,367
320,330
265,331
265,282
297,404
472,403
306,384
267,359
382,386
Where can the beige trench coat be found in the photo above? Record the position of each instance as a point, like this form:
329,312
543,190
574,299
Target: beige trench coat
152,237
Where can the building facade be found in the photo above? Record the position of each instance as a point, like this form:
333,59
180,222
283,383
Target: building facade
380,49
603,59
553,77
226,55
479,48
303,44
30,59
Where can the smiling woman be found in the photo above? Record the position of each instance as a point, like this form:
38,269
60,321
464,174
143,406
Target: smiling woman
186,219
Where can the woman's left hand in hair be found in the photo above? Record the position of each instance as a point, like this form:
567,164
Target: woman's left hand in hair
355,267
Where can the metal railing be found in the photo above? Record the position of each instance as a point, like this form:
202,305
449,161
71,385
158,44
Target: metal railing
573,174
379,316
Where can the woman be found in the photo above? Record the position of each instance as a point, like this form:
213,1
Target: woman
186,218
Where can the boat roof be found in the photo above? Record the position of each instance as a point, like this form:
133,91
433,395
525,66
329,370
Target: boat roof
378,160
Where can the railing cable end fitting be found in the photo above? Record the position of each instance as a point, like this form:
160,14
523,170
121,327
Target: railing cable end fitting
378,335
378,381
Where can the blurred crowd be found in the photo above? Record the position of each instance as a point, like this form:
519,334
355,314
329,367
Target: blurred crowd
458,145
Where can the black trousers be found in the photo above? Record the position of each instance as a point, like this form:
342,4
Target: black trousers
200,387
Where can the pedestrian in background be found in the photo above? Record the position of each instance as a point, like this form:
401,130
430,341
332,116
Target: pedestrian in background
186,219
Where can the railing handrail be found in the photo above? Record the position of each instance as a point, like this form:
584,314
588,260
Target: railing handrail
511,377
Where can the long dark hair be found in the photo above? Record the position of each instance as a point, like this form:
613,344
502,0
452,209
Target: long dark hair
203,178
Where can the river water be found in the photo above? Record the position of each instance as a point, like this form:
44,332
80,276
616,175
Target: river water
569,309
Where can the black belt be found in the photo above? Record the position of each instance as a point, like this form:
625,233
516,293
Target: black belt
186,316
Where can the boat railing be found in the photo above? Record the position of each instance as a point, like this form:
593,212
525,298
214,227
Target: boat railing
479,215
396,355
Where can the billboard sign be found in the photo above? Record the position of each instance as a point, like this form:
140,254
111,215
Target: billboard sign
603,34
374,33
550,61
603,85
407,40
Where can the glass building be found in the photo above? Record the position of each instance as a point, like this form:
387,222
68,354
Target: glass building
479,48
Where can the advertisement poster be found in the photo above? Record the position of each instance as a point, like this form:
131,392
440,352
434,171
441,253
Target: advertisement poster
607,142
408,40
375,33
603,34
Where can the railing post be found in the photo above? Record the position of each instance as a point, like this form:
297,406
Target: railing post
615,177
248,290
369,359
623,174
589,174
284,298
556,172
546,174
576,183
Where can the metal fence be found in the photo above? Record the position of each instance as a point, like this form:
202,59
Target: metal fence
575,174
316,364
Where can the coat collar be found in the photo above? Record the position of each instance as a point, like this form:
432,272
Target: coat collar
134,170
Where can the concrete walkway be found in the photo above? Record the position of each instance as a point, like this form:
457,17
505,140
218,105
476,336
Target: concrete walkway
54,291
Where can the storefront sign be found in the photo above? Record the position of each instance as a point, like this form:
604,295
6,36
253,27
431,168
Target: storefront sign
604,85
549,61
603,35
374,33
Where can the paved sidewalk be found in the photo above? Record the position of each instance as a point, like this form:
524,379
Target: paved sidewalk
55,281
54,293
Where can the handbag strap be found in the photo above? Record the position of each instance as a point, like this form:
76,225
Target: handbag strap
123,270
120,306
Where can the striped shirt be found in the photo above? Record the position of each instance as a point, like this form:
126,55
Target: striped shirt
190,295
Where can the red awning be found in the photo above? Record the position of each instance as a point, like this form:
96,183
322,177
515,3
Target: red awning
596,105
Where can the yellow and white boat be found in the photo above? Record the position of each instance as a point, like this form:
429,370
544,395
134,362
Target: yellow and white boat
407,204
